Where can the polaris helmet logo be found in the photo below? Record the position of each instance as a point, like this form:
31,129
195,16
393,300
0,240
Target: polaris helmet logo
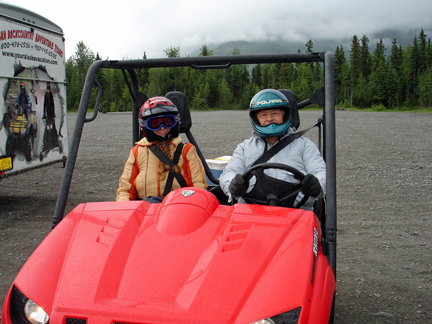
157,100
268,102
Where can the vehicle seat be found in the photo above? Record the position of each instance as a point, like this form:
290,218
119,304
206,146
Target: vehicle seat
180,100
137,104
295,122
295,118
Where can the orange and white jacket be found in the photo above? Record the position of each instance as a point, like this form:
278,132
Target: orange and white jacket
142,177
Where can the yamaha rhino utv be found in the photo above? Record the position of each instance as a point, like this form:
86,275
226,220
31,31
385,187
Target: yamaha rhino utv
194,257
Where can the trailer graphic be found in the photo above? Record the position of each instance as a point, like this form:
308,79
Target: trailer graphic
33,130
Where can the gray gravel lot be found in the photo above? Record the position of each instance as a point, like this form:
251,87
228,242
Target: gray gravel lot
384,183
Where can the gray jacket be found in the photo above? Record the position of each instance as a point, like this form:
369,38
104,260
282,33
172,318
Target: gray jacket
301,154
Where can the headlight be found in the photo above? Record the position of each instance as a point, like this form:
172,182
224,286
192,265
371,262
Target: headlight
265,321
24,310
34,313
290,317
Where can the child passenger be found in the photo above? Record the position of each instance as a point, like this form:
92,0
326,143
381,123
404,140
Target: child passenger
145,175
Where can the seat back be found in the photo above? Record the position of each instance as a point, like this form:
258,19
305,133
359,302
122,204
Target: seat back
295,118
179,99
137,104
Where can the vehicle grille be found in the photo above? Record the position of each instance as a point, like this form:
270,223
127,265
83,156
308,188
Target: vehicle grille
71,320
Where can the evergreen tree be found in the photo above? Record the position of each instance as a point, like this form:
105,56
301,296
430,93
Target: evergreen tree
192,78
199,101
393,88
355,65
422,52
143,75
172,51
309,46
73,86
76,69
116,91
157,85
249,91
428,56
339,69
378,85
245,75
395,59
315,67
225,99
424,89
236,78
205,51
361,95
126,100
318,75
286,75
100,74
378,79
379,55
413,69
365,58
236,81
265,76
82,59
256,75
303,86
274,75
212,79
173,79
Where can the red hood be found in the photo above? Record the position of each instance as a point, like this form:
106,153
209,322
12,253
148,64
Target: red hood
186,259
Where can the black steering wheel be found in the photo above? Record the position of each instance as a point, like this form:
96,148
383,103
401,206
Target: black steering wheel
269,192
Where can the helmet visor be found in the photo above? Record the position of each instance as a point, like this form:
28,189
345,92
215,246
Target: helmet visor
155,123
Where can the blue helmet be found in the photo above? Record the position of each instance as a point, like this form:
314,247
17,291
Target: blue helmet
270,99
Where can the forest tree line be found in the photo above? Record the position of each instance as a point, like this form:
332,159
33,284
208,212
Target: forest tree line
401,81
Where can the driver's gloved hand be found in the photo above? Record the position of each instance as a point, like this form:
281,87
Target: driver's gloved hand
238,186
310,186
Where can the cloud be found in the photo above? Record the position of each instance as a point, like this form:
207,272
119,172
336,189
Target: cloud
128,28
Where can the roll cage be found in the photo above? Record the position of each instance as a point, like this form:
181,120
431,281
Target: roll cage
324,96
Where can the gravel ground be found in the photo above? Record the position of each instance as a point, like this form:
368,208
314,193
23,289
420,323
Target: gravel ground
384,183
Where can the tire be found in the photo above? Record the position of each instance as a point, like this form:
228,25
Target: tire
29,150
10,148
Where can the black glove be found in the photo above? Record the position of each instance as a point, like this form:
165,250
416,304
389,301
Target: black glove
311,186
238,186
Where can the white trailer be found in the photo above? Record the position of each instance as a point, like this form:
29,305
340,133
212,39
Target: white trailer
33,113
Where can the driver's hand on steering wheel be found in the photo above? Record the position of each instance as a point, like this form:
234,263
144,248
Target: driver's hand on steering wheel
311,186
238,186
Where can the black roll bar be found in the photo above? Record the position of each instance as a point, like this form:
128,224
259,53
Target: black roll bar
330,156
217,62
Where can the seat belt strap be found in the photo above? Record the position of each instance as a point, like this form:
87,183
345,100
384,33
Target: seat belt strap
268,154
165,160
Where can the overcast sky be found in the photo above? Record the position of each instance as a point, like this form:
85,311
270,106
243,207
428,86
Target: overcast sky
127,28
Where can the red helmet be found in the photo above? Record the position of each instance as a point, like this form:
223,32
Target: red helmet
22,85
148,118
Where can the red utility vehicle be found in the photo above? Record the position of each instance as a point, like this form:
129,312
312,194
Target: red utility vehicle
194,258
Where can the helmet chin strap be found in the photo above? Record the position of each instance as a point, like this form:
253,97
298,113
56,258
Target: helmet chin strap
161,139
